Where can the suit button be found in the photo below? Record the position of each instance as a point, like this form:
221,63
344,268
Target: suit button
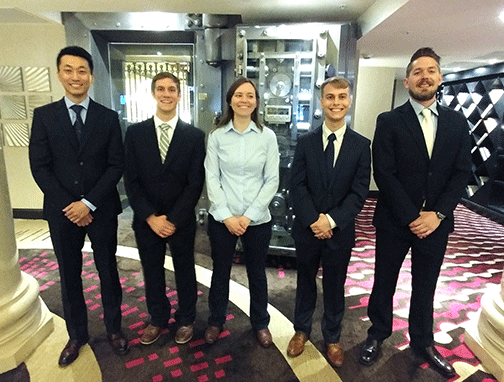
430,173
81,163
76,182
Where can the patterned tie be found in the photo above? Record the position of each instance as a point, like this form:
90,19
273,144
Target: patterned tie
164,140
78,125
329,152
428,130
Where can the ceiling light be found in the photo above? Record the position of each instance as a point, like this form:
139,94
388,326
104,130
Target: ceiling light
501,16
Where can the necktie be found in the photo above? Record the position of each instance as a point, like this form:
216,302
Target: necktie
164,140
329,152
428,129
79,124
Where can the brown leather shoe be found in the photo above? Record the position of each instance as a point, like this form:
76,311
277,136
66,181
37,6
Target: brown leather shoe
212,334
119,343
296,344
70,352
335,354
184,334
151,334
264,338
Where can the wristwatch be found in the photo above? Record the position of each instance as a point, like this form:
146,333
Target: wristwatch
440,215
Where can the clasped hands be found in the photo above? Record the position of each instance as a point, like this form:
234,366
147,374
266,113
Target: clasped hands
161,225
237,225
425,224
78,213
322,228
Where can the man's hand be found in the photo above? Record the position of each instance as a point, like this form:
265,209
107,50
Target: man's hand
161,226
322,228
85,221
425,224
76,211
235,225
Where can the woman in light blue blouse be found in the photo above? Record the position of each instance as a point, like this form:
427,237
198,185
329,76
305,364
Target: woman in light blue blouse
241,177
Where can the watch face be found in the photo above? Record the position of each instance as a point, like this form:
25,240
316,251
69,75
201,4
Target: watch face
440,215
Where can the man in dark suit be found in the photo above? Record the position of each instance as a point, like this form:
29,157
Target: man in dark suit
164,178
77,158
329,184
421,166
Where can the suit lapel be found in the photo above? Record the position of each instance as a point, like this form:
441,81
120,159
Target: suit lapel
317,146
345,152
411,121
64,122
92,121
176,141
442,132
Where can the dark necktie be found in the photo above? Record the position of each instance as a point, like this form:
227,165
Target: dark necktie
329,153
78,125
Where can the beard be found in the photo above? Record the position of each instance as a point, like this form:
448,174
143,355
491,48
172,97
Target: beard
422,95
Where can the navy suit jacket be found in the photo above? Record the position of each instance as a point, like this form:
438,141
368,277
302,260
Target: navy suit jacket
405,175
340,194
171,188
66,171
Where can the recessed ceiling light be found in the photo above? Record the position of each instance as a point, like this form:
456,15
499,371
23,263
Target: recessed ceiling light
501,16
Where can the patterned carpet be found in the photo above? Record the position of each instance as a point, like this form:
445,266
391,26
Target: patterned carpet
473,265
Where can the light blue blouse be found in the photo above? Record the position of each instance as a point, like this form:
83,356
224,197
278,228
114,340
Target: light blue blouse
242,172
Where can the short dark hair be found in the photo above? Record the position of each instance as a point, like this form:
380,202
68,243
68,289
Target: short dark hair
162,75
337,82
75,51
423,52
229,113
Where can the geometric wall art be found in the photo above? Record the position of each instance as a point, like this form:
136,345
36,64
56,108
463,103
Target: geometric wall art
12,107
37,100
16,134
10,79
37,79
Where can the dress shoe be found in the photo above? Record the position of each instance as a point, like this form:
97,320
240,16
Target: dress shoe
370,351
296,344
436,360
212,334
335,354
264,338
184,334
70,352
151,334
119,343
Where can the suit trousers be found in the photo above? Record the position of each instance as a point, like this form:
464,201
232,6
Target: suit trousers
68,240
426,259
255,242
152,250
308,258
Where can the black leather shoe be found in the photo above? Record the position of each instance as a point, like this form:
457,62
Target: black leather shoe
70,352
436,360
370,351
119,343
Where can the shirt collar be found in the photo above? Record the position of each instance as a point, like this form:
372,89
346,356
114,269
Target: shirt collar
252,127
419,107
339,133
172,122
69,103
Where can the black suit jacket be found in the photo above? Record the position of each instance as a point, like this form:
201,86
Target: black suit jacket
404,174
66,171
341,194
171,188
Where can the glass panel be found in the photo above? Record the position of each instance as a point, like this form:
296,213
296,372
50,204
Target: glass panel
10,79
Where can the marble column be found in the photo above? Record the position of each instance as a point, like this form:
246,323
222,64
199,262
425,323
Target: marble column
485,333
25,320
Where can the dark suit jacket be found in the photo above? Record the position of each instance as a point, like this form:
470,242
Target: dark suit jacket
171,188
66,171
405,175
340,194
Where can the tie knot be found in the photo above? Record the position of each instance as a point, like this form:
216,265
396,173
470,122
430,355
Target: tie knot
331,138
77,108
426,112
164,127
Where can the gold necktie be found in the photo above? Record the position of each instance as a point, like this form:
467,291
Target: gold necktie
164,140
428,129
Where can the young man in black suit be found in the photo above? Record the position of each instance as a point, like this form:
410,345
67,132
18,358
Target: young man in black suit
421,165
164,178
77,158
329,184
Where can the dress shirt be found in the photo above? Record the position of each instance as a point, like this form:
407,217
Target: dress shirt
73,117
172,122
242,172
418,111
340,133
